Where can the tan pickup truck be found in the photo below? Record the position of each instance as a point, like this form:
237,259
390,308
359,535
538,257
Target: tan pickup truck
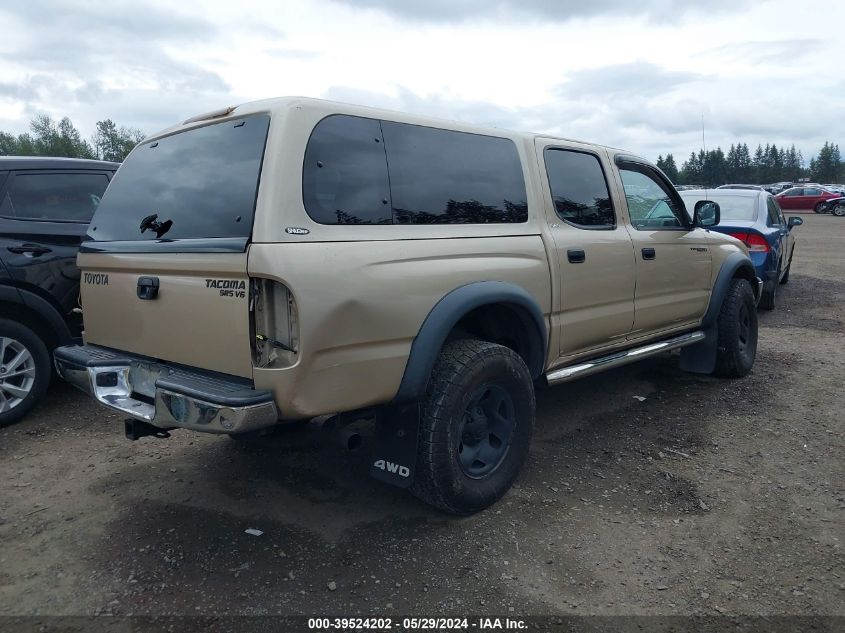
293,258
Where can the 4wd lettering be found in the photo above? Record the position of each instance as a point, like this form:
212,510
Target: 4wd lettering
96,279
228,287
390,467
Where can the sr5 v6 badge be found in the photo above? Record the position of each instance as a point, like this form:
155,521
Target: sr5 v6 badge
296,230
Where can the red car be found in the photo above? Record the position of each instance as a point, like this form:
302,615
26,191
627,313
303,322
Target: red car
804,198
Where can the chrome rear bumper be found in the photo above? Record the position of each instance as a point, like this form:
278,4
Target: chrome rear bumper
166,396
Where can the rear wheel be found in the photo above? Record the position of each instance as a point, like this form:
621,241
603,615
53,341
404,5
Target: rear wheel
839,210
818,208
737,331
477,417
24,370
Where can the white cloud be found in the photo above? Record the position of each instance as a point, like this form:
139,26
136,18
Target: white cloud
633,75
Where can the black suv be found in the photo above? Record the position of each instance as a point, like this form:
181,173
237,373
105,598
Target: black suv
45,207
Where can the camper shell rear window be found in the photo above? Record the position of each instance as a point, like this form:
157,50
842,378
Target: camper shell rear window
194,190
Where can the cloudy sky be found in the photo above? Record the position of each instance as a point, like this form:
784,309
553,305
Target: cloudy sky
637,75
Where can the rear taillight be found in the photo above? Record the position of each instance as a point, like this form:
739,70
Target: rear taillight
275,324
755,242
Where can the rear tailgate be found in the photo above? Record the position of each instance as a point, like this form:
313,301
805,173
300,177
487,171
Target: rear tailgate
200,316
164,273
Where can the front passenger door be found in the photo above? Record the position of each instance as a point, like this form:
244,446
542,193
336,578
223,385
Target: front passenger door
672,257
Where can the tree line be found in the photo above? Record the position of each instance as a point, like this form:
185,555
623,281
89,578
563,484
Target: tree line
710,168
767,165
47,137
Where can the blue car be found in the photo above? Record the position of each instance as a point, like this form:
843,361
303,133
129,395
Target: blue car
756,219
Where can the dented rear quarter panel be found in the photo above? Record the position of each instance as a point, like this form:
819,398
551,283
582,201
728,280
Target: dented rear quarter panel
360,306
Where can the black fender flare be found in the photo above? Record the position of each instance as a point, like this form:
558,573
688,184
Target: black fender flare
451,309
732,264
46,310
701,357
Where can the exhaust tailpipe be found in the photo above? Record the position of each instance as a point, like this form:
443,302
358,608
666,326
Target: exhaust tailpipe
349,439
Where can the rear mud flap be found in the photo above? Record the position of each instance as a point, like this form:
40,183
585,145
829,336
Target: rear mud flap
395,444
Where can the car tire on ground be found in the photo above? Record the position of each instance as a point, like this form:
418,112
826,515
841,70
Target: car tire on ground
818,208
475,427
737,331
25,370
839,210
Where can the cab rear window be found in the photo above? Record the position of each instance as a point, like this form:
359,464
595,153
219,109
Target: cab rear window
194,185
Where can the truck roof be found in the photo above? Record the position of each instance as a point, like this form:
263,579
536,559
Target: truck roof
53,162
281,105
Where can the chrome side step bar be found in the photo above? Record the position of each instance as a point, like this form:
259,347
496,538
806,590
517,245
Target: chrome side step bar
624,357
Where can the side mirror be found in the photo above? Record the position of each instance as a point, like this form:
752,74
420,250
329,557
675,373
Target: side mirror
707,213
794,221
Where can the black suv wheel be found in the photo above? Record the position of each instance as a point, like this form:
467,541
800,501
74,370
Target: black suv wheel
24,370
737,326
476,424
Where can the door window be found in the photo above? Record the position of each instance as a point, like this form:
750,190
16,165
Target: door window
812,192
61,197
650,204
579,189
775,215
798,191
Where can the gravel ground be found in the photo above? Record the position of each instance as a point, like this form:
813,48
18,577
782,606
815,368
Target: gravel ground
649,491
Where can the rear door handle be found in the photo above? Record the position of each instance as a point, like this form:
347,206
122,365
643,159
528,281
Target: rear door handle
649,253
576,256
33,249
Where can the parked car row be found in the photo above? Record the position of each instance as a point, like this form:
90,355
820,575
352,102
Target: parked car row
805,196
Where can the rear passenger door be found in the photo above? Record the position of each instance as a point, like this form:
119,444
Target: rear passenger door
43,218
672,257
594,253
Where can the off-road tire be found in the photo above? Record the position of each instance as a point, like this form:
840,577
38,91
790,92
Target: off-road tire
14,331
737,331
466,367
